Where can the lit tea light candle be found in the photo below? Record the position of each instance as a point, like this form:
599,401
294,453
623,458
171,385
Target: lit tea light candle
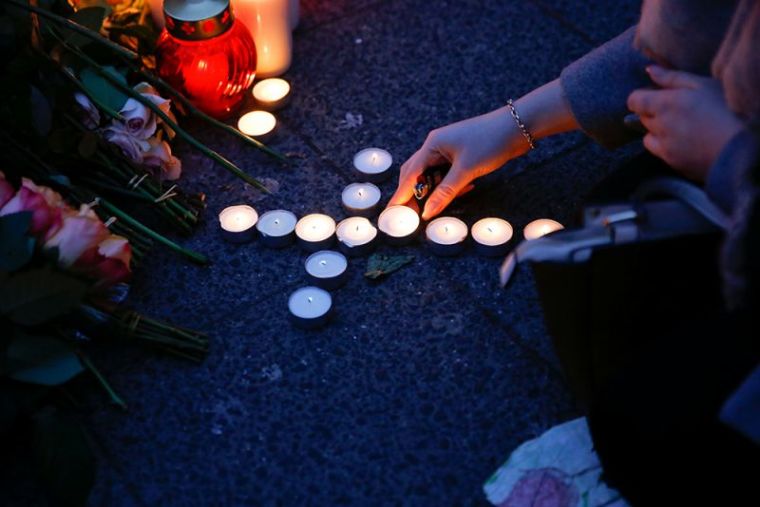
315,232
398,224
258,124
277,228
541,227
310,307
492,236
238,223
356,236
361,199
446,235
272,94
327,269
372,164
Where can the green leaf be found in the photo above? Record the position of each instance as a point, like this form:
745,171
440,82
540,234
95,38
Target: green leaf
380,265
37,296
102,89
89,17
41,360
64,460
16,248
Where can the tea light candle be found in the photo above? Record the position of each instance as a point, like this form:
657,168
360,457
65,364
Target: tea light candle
238,223
356,236
327,269
315,232
310,307
372,164
492,236
446,235
258,124
361,199
277,228
272,94
541,227
398,224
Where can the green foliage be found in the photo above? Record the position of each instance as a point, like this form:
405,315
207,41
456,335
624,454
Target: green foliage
33,297
16,248
102,89
41,360
380,265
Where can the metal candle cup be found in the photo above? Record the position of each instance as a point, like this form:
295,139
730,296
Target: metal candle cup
315,232
310,307
356,236
277,228
238,223
327,269
446,236
541,227
492,236
361,199
373,164
399,225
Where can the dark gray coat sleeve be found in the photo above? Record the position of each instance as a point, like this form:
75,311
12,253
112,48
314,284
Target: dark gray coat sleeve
597,86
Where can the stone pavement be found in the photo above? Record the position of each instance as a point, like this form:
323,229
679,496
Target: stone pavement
424,382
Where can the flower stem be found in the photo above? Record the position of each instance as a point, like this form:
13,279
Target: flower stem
103,382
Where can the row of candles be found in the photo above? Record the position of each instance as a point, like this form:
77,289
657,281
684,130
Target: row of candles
326,269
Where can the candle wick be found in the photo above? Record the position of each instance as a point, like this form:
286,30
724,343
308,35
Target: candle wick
489,229
277,221
323,263
446,228
310,299
361,194
357,228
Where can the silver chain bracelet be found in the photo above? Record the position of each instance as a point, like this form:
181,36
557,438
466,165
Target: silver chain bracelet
526,134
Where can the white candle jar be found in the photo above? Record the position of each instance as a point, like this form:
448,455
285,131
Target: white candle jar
269,24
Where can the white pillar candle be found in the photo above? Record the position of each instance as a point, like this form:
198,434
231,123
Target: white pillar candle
294,13
238,223
157,12
258,124
361,199
356,236
277,228
492,236
310,307
269,24
372,164
398,224
315,232
541,227
272,94
446,235
327,269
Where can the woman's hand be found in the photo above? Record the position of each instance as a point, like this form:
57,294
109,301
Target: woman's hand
474,148
688,120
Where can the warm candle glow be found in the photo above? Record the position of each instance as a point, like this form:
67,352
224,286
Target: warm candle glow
277,223
360,198
315,227
238,218
398,221
446,231
355,231
373,161
257,123
492,231
271,93
269,25
541,227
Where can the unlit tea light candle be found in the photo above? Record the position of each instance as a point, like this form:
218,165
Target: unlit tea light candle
361,199
492,236
327,269
446,235
541,227
398,224
277,228
238,223
372,164
272,94
258,124
315,232
356,236
310,307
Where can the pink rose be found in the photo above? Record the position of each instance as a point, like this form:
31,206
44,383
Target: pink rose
46,206
6,190
159,156
139,120
81,230
89,114
108,262
132,147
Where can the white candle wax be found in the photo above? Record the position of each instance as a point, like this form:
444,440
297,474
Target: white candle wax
269,24
271,93
257,123
446,235
361,198
277,227
398,223
541,227
315,231
310,306
238,222
327,269
491,235
355,231
373,164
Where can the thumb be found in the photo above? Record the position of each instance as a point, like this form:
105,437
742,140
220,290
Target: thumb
667,78
455,182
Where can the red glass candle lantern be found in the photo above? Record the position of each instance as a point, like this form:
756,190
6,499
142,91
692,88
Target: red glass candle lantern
207,54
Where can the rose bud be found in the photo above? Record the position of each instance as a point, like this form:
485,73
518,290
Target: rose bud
46,219
108,262
132,147
159,156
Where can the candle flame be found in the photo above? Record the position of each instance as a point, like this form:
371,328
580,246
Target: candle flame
374,158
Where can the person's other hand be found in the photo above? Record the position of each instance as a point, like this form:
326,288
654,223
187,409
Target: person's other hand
688,120
474,148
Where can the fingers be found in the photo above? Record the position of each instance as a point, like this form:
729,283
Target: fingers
410,170
667,78
455,182
654,145
647,102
